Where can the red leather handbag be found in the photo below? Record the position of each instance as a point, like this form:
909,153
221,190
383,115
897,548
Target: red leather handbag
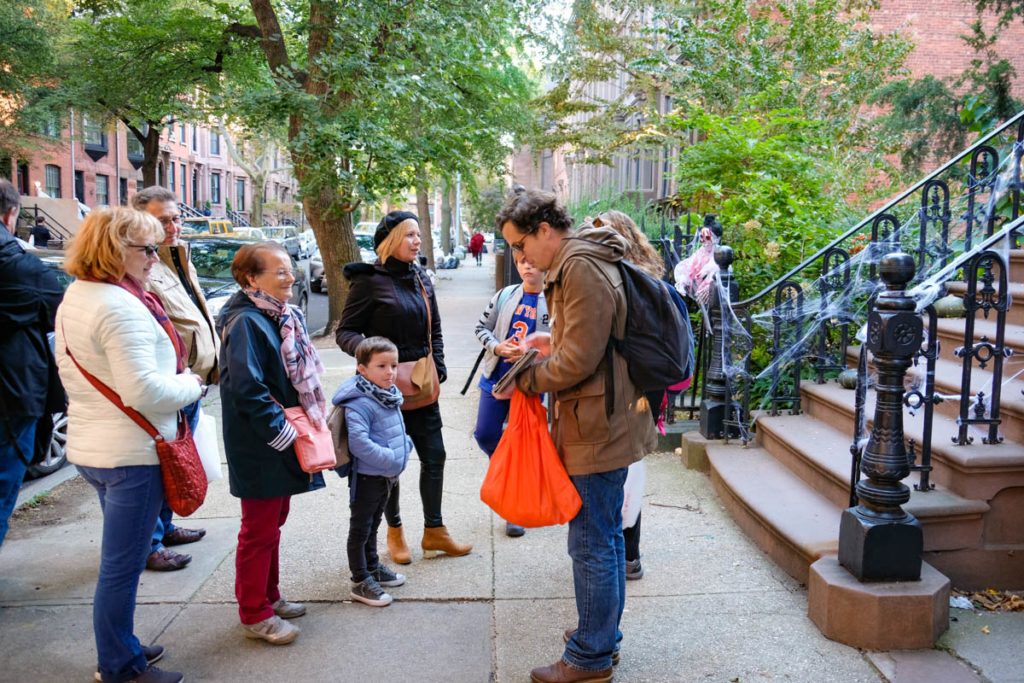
180,466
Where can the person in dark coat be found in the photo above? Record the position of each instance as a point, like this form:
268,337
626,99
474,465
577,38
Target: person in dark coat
258,328
41,234
29,386
386,299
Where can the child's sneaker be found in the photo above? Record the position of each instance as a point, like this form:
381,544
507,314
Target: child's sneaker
274,630
386,577
370,593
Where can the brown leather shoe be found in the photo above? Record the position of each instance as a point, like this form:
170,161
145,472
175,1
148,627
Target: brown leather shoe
560,672
437,539
397,547
568,634
179,536
165,560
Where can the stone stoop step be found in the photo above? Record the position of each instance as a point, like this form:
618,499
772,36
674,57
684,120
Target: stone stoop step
951,337
1014,315
1017,265
819,454
949,379
788,520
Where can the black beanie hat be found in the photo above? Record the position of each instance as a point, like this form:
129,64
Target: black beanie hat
389,223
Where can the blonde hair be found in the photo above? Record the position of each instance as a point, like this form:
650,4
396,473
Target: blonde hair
99,249
639,252
390,244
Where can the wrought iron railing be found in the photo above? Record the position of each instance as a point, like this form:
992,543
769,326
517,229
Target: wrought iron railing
239,220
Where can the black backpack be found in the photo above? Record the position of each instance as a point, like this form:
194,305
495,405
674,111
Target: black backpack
658,342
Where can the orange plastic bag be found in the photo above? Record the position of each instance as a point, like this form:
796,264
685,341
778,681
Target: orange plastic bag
526,482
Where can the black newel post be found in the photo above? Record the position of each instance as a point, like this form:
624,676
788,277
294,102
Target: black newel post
878,540
713,406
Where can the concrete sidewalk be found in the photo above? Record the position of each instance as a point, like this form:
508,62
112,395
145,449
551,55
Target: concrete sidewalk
711,607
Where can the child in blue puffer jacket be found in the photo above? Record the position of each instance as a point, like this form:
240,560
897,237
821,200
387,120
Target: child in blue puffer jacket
380,450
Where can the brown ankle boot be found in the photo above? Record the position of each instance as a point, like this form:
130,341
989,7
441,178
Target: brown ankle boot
397,547
437,539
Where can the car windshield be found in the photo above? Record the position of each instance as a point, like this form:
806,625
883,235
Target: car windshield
196,225
365,241
273,233
213,259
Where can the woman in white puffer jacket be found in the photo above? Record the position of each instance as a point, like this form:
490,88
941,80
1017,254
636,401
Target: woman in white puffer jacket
120,335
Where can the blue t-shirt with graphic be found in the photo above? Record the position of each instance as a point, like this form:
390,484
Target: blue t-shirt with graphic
524,322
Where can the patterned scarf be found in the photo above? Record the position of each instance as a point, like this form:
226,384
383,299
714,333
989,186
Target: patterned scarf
151,302
301,361
387,398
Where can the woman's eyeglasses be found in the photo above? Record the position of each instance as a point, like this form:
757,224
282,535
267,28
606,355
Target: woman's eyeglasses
149,249
281,274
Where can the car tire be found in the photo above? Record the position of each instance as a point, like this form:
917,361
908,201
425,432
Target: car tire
304,306
55,455
316,285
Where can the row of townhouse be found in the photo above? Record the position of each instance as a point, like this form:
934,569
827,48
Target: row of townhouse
100,165
935,27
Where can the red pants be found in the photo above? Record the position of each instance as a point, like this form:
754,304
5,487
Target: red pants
256,557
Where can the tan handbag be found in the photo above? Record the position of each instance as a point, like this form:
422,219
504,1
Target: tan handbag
417,379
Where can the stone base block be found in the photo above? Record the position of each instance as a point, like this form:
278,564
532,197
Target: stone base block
695,452
897,615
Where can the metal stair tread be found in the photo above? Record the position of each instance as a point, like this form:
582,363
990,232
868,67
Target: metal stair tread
828,451
782,501
976,455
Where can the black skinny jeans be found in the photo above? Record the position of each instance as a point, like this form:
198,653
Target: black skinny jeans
364,520
632,536
430,451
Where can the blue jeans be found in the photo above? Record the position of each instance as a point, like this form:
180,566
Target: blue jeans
490,421
12,467
163,522
598,554
130,498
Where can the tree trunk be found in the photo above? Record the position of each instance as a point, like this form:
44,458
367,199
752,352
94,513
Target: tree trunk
151,154
456,235
258,189
423,209
446,220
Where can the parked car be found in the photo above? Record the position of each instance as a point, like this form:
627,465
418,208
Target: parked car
210,226
285,235
249,233
212,257
318,282
307,241
51,434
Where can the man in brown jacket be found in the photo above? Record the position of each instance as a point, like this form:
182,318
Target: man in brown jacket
598,434
173,280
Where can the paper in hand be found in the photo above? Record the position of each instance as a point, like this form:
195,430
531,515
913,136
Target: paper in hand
524,362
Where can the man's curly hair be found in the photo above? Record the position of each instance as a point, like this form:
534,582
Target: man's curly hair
527,210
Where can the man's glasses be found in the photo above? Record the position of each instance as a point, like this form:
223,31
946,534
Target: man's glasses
170,221
149,249
518,246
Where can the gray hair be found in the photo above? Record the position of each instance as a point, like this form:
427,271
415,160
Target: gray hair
153,193
10,198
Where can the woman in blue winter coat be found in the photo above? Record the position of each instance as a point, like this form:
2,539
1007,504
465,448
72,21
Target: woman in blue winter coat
513,313
379,449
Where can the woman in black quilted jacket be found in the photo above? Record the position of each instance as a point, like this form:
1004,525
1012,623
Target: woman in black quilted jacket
386,299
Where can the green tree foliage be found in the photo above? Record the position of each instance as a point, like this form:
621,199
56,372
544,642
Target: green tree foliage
377,93
483,207
144,61
26,66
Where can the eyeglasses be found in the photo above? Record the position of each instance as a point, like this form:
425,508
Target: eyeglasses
170,221
518,246
281,274
150,249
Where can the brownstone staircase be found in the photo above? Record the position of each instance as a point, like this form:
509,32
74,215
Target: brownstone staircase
788,488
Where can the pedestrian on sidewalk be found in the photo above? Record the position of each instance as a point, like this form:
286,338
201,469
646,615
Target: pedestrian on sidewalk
41,234
513,313
640,253
379,449
174,281
393,298
267,364
109,327
476,247
600,420
29,387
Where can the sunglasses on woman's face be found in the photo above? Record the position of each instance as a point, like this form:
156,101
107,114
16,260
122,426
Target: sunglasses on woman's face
150,249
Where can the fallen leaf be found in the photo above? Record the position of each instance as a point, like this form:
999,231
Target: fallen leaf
985,630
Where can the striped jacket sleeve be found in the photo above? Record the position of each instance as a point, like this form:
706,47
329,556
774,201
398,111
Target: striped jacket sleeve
485,326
